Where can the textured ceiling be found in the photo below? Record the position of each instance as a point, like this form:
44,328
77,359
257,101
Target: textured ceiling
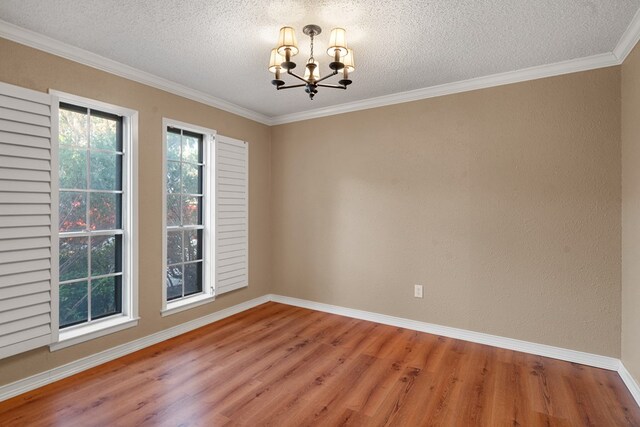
222,47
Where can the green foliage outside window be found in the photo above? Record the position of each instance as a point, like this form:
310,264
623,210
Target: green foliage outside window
90,182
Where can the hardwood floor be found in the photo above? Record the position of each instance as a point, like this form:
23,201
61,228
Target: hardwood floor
279,365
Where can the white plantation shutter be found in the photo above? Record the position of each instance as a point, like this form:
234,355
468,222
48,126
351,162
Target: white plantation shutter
232,214
25,219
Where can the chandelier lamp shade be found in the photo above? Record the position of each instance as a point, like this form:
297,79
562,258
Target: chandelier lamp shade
280,61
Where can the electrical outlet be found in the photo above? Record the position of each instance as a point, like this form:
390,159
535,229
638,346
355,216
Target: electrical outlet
417,291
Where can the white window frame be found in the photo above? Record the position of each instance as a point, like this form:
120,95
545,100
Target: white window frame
208,220
129,316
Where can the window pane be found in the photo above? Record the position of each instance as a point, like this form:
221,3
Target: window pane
105,255
173,145
104,135
191,179
106,296
191,148
192,278
174,247
73,128
174,282
104,211
72,168
74,258
173,209
106,171
193,245
173,177
72,211
73,303
191,211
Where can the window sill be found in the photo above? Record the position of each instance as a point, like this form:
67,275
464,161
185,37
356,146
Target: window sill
88,332
186,303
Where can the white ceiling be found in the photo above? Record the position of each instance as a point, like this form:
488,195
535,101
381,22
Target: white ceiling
221,48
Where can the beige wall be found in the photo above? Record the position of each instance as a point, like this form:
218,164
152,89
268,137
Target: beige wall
504,203
631,213
33,69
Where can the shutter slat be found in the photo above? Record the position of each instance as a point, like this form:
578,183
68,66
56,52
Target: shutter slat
28,277
232,221
228,254
21,163
24,324
224,283
234,227
25,335
25,219
25,129
237,273
222,249
24,117
24,312
17,267
237,209
25,175
20,244
25,95
231,215
24,301
227,201
230,168
22,209
233,234
232,155
24,186
232,249
226,145
13,233
239,188
10,150
24,105
26,255
232,194
231,181
224,160
225,174
232,241
21,139
229,267
28,289
232,260
25,198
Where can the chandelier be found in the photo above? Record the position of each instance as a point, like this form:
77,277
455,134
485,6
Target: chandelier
288,47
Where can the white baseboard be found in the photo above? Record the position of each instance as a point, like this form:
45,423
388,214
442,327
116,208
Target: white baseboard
55,374
583,358
630,382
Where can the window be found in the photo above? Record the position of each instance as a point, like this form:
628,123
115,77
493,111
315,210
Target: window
188,216
96,286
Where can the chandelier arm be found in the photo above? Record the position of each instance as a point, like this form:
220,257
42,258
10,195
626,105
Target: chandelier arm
289,87
296,76
334,86
327,76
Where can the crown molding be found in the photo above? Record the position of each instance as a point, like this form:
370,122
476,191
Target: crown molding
625,45
38,41
526,74
629,39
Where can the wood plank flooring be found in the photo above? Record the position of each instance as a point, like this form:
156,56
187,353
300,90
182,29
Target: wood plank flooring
278,365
